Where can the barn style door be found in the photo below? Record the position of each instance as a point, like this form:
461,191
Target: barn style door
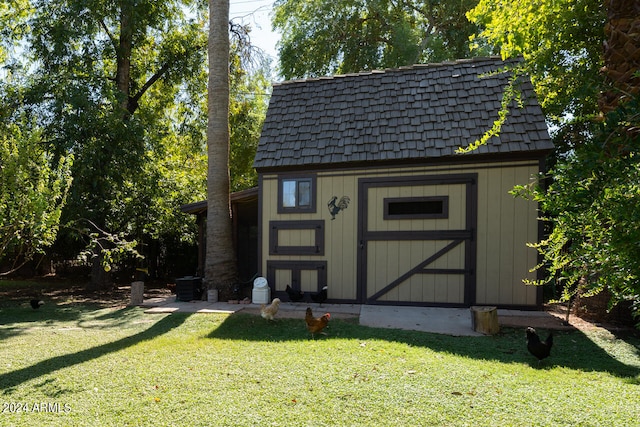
416,240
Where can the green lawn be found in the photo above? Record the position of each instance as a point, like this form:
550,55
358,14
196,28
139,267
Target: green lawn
72,364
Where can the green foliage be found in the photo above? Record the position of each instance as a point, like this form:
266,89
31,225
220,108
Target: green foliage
327,37
133,170
559,42
591,202
247,110
511,98
108,249
592,206
33,192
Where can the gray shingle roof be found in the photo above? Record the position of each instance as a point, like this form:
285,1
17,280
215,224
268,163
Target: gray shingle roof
411,113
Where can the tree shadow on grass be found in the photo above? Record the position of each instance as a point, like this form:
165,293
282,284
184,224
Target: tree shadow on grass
22,318
10,380
572,349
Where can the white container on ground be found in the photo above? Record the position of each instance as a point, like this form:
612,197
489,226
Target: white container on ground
212,295
261,293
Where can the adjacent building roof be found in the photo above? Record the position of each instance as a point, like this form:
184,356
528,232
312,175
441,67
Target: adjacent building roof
410,113
243,196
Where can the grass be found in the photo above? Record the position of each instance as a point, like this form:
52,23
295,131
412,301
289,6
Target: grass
94,365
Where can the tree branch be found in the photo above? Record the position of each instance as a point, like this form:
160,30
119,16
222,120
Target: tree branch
106,30
132,104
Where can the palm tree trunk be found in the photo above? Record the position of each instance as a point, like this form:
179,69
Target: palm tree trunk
621,53
221,270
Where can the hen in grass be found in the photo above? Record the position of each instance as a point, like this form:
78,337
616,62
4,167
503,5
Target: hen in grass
269,311
294,294
315,325
540,349
320,297
36,303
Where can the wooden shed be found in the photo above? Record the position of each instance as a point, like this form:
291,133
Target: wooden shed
361,190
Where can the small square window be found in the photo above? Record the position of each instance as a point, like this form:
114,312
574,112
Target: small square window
296,194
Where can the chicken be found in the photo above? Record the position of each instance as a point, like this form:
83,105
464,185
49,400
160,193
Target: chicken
269,311
36,303
540,349
335,205
321,296
294,294
316,324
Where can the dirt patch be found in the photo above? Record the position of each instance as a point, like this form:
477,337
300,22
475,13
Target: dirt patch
555,316
65,291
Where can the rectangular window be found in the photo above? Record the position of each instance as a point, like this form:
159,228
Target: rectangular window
307,235
296,194
416,208
289,194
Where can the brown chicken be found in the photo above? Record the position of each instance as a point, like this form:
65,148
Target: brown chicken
269,311
315,325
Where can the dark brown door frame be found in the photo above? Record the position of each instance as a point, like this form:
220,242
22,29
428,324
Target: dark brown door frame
466,236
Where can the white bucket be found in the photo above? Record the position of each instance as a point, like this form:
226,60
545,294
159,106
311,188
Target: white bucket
261,293
212,295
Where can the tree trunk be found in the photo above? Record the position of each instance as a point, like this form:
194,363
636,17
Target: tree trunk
100,279
621,53
221,269
123,71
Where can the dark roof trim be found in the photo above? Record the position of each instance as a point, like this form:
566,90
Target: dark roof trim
466,159
243,196
194,208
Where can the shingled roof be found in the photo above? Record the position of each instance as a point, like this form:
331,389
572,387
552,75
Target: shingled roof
410,113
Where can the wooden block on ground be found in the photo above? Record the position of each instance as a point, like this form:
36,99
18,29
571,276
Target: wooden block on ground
485,319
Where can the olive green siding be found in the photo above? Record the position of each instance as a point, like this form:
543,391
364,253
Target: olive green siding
503,227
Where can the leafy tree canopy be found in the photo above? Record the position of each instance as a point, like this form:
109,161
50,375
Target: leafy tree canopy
341,36
577,51
561,42
122,86
33,191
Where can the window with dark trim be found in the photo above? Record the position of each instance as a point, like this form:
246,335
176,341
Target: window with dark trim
316,247
297,194
416,207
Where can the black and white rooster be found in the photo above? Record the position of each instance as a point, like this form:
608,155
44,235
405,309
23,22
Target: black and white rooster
36,303
336,207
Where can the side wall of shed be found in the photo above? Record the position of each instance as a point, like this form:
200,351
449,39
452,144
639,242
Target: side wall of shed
504,226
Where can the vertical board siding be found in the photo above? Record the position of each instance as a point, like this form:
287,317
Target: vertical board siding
283,278
296,237
309,281
504,226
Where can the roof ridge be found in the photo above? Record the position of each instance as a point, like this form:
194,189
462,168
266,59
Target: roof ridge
395,69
